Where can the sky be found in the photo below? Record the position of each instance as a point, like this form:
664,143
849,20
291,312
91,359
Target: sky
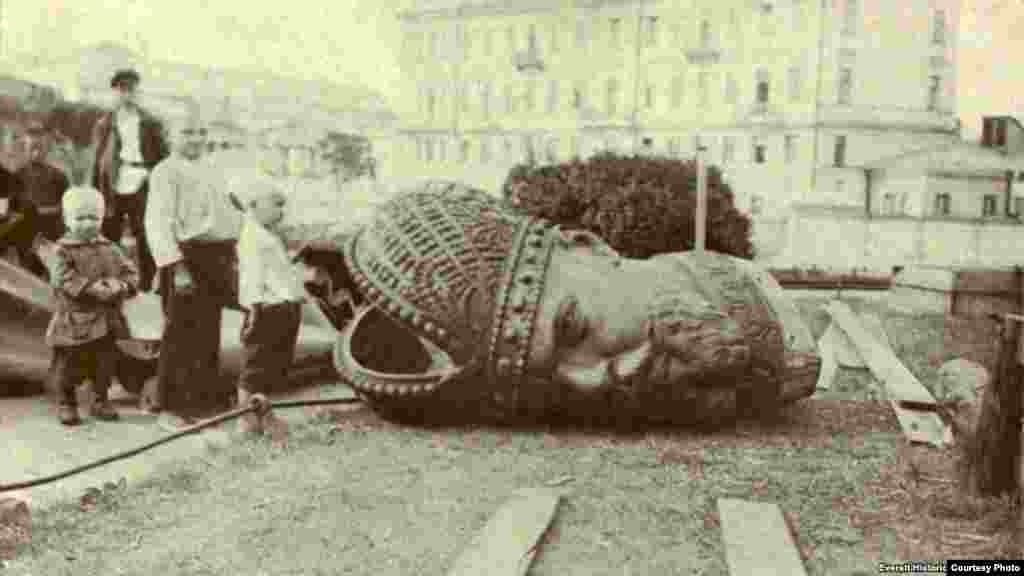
355,41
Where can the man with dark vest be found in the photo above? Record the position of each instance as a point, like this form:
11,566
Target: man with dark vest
129,143
41,189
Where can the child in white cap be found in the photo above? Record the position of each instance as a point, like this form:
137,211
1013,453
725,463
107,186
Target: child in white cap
270,290
91,277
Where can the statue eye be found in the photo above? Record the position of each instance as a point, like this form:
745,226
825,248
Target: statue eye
571,326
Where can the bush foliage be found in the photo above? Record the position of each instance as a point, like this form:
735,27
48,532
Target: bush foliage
640,205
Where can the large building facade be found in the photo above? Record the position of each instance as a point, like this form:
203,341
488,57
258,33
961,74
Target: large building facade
793,99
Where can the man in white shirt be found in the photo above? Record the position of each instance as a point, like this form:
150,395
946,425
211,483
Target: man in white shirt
129,143
191,227
271,291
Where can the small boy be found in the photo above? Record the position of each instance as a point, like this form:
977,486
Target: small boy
91,277
271,292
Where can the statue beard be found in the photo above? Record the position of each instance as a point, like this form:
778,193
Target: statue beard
691,344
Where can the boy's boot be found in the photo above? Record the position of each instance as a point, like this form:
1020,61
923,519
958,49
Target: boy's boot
250,423
68,414
101,408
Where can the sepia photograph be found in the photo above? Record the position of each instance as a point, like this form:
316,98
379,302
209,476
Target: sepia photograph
510,287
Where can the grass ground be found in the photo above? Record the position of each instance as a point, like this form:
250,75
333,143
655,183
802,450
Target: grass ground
352,494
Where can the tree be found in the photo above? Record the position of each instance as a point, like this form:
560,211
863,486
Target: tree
640,205
349,155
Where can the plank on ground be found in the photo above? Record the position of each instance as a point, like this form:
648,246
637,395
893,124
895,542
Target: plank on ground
845,352
827,351
899,382
758,540
910,400
508,543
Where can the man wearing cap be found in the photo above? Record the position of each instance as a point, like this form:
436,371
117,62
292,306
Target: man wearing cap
42,187
129,143
191,227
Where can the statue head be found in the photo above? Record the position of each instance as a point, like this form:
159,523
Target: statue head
510,307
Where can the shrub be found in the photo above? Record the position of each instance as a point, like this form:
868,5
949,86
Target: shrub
640,205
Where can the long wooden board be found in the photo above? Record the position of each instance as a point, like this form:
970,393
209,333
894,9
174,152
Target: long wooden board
899,382
757,539
827,351
508,543
910,400
845,352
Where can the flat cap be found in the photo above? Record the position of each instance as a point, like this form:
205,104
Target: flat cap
124,76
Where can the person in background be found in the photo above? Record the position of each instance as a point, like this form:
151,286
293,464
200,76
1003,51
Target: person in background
91,277
10,188
129,143
41,188
271,291
191,228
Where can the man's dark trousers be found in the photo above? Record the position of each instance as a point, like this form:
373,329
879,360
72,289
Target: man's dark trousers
134,207
188,371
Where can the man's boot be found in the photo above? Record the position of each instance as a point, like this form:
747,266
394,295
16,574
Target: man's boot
68,414
250,423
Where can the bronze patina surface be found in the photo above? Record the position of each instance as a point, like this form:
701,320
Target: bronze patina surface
478,309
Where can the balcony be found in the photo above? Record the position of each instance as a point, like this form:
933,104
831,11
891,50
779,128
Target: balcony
704,55
528,61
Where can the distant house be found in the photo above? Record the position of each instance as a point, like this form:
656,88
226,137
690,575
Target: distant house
961,180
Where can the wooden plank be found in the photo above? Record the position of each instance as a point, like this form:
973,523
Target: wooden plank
826,349
910,400
508,543
873,324
846,353
758,540
899,382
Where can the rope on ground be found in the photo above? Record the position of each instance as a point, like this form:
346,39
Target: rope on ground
258,404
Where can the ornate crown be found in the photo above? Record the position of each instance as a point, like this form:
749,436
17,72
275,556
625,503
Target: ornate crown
459,269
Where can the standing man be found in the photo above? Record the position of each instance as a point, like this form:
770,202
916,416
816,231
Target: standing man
191,228
129,143
42,187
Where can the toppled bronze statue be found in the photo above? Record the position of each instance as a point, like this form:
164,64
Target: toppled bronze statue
478,310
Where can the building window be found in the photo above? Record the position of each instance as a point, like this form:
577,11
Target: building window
652,31
845,86
756,204
553,39
731,90
934,84
467,40
442,150
649,101
508,147
942,204
485,98
467,93
939,28
763,88
531,40
988,207
728,149
464,151
759,153
702,87
705,34
615,32
839,151
429,156
790,142
552,104
796,81
612,96
510,40
673,147
431,103
485,150
510,99
578,95
850,17
529,95
435,45
581,34
552,151
676,95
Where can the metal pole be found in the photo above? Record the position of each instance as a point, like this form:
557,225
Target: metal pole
702,200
